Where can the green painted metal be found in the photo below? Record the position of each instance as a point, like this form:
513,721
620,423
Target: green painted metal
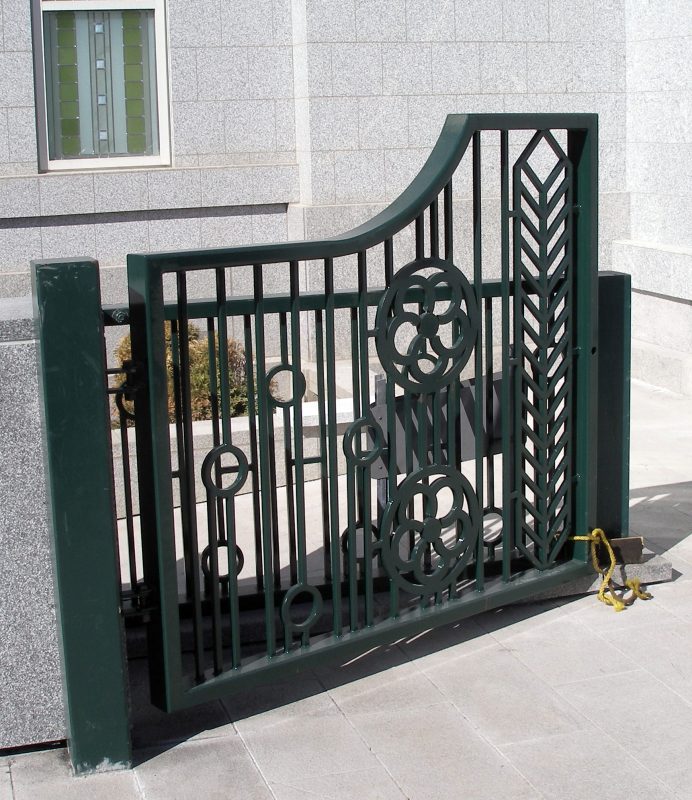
80,480
614,325
404,565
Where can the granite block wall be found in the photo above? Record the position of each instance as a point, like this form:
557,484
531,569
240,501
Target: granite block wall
31,706
232,135
375,81
658,251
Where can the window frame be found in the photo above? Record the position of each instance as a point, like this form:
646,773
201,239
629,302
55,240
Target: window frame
46,164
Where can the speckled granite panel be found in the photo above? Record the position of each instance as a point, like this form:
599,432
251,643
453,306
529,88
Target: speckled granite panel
31,706
16,322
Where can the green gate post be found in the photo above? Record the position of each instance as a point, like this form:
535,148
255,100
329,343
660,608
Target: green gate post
77,453
613,450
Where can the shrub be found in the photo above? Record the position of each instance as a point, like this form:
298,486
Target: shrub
200,392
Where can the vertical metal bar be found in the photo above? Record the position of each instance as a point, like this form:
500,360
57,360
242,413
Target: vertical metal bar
453,389
228,502
434,229
365,490
324,482
189,476
331,439
448,222
519,437
388,261
266,476
582,149
354,497
127,491
478,402
214,409
392,469
506,395
420,236
214,510
155,478
288,459
185,510
254,458
77,455
298,428
489,420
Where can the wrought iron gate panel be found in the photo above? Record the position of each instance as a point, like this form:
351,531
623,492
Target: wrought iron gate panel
321,524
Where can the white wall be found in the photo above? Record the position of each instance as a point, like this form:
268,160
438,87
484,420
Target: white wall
658,251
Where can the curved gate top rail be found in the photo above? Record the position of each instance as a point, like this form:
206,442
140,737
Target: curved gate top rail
419,437
455,137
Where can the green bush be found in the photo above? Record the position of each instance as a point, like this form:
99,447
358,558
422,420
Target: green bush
200,392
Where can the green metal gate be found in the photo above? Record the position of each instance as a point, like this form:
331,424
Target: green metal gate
451,485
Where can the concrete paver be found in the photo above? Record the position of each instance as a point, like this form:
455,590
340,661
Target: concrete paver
653,719
665,652
47,776
503,699
213,769
585,766
374,783
564,649
5,781
439,754
308,745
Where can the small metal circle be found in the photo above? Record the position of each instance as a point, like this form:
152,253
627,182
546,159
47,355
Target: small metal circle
206,562
492,532
299,385
356,429
289,599
208,465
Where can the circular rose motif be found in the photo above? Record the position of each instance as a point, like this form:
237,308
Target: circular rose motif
426,325
425,555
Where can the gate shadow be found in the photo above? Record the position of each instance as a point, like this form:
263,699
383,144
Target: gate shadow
662,514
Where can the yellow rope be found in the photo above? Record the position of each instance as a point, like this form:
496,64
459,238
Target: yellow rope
607,592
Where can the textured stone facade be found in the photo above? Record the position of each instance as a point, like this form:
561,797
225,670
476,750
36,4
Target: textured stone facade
31,707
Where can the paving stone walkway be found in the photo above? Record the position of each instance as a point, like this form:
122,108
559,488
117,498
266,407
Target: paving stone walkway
562,700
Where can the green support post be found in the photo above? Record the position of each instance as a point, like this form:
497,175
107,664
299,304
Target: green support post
77,452
613,450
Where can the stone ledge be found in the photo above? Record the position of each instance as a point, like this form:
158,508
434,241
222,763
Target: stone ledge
16,319
654,268
653,569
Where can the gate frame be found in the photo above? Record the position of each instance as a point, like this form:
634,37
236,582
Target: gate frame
171,690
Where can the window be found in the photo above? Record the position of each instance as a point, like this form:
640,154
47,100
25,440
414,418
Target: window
104,81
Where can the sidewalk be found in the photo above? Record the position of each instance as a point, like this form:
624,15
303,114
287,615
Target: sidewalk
561,700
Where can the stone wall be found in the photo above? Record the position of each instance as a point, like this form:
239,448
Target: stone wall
233,145
31,706
658,251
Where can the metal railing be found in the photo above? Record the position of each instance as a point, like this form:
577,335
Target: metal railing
365,550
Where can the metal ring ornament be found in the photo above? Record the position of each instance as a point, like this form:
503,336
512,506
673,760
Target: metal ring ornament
426,347
120,397
410,572
299,385
292,627
366,458
206,562
207,465
490,540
